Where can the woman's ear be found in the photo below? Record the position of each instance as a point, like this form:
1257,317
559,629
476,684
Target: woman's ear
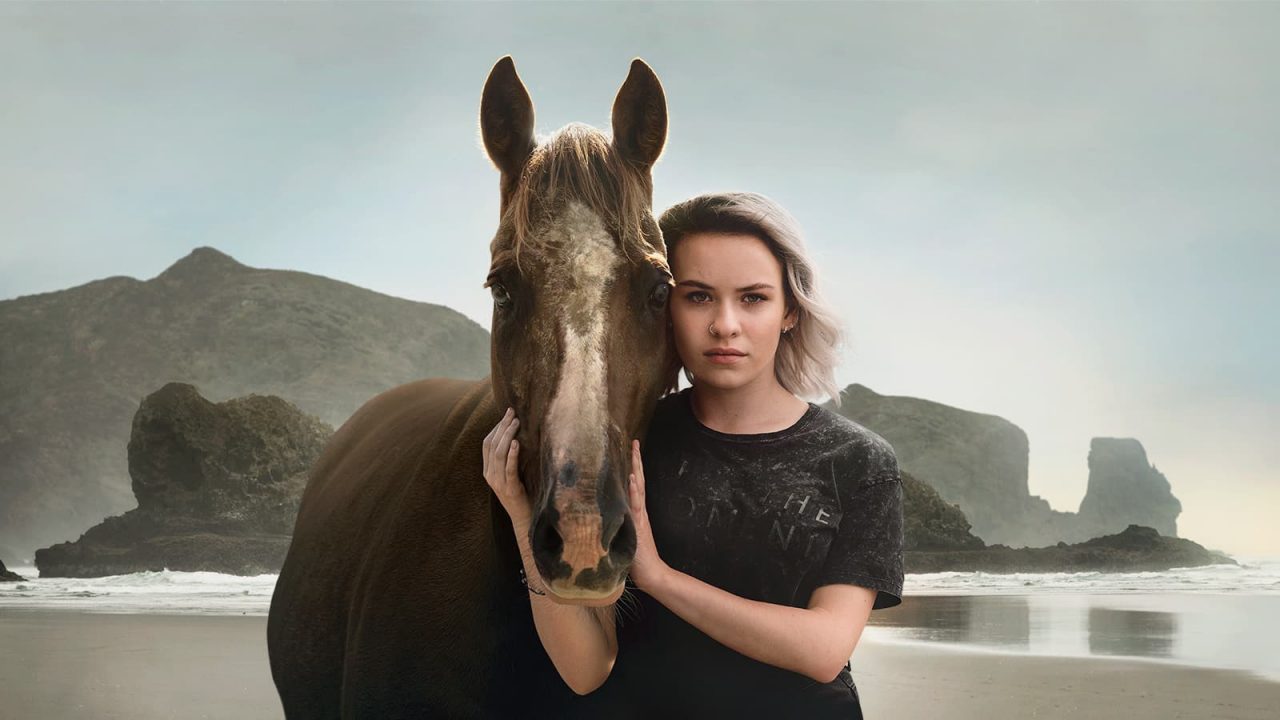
791,317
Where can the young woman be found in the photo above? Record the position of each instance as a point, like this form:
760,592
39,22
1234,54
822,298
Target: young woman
767,527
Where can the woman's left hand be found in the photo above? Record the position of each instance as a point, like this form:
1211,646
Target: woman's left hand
647,568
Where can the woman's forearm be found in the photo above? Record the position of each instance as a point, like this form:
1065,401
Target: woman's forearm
796,639
580,640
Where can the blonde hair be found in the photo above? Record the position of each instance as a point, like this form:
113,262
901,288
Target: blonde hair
807,355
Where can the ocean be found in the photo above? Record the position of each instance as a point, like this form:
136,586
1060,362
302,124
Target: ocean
1220,616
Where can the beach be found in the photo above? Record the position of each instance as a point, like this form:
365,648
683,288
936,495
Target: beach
918,682
70,664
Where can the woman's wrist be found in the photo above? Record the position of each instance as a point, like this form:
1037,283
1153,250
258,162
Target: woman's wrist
530,576
521,530
654,583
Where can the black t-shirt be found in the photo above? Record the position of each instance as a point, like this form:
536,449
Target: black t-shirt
769,517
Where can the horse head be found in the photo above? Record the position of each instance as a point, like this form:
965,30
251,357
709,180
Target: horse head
580,280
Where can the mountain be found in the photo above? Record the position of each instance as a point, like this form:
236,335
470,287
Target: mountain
978,462
75,365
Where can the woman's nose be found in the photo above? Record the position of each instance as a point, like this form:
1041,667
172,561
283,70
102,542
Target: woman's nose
726,323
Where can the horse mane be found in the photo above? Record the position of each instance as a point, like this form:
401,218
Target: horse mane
580,162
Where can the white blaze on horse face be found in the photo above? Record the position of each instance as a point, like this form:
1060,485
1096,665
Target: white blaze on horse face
579,411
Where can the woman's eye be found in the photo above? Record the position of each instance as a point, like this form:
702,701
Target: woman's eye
698,296
758,298
660,293
500,295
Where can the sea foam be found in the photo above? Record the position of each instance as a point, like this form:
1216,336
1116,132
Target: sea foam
169,591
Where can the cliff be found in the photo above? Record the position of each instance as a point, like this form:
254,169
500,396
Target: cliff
978,462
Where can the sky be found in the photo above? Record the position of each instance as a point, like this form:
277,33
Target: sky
1062,214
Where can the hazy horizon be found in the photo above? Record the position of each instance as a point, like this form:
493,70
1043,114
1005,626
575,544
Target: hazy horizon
1061,214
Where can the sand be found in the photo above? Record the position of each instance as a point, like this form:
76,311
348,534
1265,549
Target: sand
61,664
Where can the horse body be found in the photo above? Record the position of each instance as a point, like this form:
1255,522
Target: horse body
400,594
340,638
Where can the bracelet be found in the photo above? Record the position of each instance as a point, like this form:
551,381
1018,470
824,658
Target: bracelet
525,582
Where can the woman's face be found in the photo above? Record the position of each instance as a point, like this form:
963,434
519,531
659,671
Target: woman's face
733,281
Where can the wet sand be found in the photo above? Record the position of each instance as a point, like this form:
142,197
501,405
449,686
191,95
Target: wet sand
951,683
76,665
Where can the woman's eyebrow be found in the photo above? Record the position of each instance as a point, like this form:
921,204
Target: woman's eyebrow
704,286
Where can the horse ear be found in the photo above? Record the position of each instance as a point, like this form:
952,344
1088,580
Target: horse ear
640,116
506,121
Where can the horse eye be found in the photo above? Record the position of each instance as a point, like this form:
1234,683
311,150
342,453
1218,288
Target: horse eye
660,293
500,294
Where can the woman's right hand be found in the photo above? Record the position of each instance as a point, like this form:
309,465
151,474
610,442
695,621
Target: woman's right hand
501,469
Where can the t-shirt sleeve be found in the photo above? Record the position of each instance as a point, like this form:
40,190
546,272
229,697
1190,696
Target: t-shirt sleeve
867,548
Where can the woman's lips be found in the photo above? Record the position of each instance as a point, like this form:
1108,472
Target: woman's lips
724,358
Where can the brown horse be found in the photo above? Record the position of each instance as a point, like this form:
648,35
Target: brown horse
400,595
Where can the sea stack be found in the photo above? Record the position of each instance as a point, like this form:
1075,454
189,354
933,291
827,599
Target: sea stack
218,487
6,576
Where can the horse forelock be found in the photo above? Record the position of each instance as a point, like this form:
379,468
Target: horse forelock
579,163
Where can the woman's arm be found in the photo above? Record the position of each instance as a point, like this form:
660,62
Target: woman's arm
580,640
815,641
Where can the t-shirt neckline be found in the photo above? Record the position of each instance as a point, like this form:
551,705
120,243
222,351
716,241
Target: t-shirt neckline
798,426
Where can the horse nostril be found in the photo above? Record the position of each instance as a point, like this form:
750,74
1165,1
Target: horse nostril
624,541
547,538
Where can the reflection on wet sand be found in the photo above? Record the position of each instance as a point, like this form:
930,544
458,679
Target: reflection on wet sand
1143,633
1213,630
998,621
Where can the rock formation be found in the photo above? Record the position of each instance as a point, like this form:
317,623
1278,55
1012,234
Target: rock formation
978,462
217,485
938,540
74,365
1125,488
1134,549
930,523
6,576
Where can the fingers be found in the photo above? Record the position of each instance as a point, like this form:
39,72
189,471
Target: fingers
495,448
496,444
488,439
504,440
513,464
637,468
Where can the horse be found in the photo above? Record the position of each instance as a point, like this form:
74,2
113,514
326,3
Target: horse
400,595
